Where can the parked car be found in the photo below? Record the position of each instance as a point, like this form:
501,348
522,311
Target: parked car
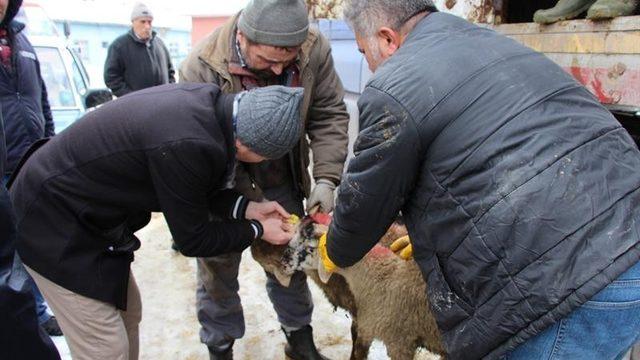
66,79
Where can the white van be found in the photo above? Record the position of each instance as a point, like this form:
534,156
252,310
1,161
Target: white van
68,86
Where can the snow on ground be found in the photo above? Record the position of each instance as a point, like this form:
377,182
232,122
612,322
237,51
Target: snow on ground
169,328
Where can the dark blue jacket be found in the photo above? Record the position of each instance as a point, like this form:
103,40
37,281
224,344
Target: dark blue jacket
20,335
519,190
23,98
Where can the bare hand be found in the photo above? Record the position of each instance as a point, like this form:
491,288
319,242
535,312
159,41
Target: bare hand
276,231
262,211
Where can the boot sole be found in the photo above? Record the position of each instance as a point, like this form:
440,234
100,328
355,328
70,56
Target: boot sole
568,16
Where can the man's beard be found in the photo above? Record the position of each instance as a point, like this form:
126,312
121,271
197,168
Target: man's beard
262,74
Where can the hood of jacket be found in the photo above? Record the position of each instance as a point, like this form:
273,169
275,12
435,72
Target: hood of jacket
12,11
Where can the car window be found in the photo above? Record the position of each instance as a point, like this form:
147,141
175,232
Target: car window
78,79
55,77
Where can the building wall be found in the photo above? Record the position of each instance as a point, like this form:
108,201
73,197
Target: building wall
91,42
202,26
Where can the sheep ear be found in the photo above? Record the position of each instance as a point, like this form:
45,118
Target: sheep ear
323,274
282,278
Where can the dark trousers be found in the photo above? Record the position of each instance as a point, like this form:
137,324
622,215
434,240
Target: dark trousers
218,304
19,273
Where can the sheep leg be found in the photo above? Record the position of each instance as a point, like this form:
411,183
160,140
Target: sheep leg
360,347
400,351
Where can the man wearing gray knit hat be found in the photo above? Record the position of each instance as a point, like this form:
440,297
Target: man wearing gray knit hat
171,149
270,42
266,120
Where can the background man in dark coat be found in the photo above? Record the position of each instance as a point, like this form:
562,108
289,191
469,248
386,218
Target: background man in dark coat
519,190
81,196
138,59
27,116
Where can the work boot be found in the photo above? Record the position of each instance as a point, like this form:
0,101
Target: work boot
564,9
224,352
300,345
607,9
51,327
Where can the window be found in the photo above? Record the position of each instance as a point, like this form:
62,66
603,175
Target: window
55,77
78,80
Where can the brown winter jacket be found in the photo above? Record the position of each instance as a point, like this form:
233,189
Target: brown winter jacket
323,110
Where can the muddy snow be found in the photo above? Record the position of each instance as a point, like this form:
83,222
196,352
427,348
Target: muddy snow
169,328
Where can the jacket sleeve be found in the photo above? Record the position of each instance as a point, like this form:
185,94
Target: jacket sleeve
328,119
378,179
49,127
185,191
114,71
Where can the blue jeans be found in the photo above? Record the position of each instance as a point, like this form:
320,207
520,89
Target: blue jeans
19,273
605,327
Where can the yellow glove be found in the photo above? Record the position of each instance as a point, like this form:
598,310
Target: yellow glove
293,219
324,257
402,247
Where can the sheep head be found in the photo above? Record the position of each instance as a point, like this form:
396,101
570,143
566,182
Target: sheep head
299,255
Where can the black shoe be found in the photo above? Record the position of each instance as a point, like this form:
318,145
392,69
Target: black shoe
174,246
300,345
216,354
51,327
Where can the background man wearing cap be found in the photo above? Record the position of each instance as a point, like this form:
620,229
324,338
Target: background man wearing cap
80,197
138,59
270,42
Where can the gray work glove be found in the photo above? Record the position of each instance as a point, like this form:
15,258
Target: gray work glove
322,194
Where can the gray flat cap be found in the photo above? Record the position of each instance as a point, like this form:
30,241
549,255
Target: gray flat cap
282,23
268,120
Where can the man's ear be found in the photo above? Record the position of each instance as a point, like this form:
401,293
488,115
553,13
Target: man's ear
389,41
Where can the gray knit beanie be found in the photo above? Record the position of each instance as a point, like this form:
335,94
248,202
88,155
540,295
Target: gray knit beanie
140,10
275,22
268,120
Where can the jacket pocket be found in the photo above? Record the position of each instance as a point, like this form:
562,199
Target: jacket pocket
448,308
